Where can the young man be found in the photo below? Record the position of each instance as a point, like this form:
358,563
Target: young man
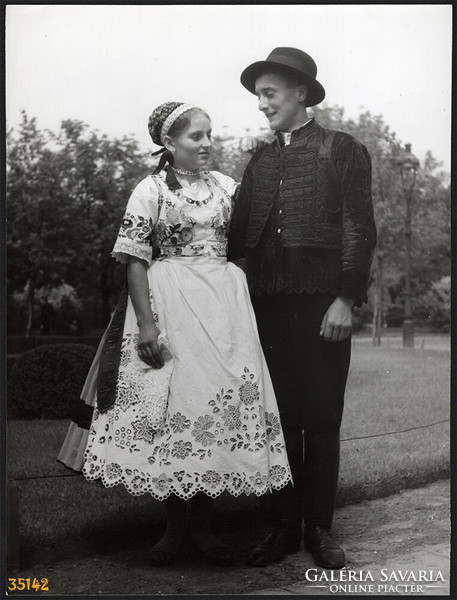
304,222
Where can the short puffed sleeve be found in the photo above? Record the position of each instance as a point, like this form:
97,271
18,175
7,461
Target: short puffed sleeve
137,228
227,183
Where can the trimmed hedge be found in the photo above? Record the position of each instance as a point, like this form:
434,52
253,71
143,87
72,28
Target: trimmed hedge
10,360
46,382
17,344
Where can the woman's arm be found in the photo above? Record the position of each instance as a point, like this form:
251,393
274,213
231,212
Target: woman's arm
148,349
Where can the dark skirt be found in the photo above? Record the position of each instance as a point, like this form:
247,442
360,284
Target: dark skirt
309,374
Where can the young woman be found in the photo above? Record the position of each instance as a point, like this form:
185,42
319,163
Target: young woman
188,339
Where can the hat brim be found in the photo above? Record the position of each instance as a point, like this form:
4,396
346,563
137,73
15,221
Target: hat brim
316,92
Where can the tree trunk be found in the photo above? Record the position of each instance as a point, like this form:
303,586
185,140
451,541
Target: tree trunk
380,299
378,307
30,303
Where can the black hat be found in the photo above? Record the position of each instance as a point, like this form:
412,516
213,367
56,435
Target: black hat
290,60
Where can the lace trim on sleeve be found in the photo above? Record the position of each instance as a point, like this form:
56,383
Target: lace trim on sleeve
134,238
122,250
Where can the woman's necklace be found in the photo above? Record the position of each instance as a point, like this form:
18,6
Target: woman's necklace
185,173
204,179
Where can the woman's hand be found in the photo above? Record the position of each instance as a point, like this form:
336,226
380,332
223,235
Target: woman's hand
148,347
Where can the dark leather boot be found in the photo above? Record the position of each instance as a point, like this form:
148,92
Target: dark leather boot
322,454
325,551
287,530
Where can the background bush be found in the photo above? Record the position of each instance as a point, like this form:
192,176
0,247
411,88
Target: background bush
46,382
395,315
434,306
18,344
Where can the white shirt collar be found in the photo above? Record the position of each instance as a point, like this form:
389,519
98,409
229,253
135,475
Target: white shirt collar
286,135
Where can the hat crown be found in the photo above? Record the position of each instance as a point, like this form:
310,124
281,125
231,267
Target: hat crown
295,58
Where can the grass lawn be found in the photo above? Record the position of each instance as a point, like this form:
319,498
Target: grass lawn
389,390
393,390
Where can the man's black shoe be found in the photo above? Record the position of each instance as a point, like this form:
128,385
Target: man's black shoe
323,548
280,542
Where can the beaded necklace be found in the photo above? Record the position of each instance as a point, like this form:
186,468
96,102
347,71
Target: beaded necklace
204,177
183,172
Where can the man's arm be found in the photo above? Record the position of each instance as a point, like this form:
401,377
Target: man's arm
353,166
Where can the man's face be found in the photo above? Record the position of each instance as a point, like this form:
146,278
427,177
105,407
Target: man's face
279,100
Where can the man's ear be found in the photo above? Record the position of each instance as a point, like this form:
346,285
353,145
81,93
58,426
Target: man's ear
302,92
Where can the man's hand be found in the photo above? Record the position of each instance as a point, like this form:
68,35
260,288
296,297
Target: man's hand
337,322
252,144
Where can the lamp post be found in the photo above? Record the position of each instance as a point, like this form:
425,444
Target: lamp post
408,165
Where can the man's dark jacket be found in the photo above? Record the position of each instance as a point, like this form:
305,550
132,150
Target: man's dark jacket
319,187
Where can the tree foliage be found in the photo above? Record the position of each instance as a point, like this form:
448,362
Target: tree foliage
66,193
434,305
228,157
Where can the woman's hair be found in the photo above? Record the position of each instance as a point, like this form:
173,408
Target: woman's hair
179,126
183,122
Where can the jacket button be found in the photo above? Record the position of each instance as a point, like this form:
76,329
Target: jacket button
279,230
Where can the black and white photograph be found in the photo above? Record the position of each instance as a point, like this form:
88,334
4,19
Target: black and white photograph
227,300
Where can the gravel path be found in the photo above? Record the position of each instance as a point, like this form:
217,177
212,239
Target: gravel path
410,530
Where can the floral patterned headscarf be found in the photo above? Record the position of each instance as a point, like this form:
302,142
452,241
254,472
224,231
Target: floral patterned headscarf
163,117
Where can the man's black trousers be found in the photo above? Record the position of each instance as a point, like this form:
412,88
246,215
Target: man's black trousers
309,377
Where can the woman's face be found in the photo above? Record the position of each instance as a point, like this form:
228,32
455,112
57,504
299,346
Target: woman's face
192,147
